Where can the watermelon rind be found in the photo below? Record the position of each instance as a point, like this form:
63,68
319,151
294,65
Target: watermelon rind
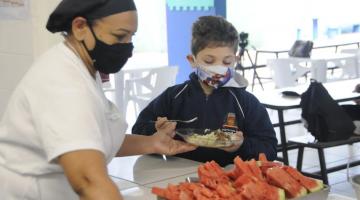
311,184
320,185
281,194
318,195
303,192
258,162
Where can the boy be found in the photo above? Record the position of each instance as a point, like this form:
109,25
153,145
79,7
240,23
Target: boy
214,96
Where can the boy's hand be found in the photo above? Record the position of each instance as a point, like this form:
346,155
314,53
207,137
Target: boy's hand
239,137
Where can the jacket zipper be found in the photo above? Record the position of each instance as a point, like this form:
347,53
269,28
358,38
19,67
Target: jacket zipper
204,111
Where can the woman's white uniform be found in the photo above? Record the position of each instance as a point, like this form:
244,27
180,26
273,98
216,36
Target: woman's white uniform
57,108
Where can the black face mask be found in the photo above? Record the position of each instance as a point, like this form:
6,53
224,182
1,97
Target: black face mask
109,59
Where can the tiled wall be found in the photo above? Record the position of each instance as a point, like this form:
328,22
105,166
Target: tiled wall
21,41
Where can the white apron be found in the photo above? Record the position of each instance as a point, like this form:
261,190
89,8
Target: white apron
55,186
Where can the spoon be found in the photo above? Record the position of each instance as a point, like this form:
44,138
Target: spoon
181,121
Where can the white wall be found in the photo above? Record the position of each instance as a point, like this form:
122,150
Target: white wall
151,34
274,23
21,41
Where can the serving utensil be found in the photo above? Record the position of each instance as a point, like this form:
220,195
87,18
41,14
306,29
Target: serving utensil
180,121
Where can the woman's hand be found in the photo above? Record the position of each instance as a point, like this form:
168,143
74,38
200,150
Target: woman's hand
163,139
239,138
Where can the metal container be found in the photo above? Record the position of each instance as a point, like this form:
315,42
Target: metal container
319,195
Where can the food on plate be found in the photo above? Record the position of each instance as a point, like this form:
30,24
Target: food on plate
210,138
248,180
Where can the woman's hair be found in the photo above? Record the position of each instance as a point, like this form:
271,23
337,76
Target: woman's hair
213,31
60,19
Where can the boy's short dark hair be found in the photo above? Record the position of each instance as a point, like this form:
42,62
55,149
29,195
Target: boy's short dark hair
213,31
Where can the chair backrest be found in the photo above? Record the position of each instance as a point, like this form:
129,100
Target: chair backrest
161,78
356,65
152,82
281,71
147,85
286,71
301,49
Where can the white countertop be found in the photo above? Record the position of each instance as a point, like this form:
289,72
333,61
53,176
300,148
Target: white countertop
150,168
339,197
136,175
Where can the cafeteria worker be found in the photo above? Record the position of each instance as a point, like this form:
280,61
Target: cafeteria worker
59,131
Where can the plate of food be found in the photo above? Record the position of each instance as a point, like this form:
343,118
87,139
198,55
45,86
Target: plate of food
207,137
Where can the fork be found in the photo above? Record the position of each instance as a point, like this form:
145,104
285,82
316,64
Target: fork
181,121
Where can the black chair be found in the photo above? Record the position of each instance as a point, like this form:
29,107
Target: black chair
320,146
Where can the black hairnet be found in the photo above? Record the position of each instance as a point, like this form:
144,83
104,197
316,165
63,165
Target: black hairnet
61,18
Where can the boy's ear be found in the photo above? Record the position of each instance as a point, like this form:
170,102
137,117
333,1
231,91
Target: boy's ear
191,60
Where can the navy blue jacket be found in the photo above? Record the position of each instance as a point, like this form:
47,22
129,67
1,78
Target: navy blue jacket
186,101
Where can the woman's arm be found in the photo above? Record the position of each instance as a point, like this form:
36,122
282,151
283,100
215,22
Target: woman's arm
136,145
87,173
161,142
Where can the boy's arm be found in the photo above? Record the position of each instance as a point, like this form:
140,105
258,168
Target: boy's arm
156,108
259,134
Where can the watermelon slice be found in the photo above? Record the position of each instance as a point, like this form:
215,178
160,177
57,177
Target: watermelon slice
251,188
185,196
262,190
211,174
243,180
264,166
280,178
198,195
251,191
158,191
241,166
310,184
233,173
255,170
225,190
262,157
271,192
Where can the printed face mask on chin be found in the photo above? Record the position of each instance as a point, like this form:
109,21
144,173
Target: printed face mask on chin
215,76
